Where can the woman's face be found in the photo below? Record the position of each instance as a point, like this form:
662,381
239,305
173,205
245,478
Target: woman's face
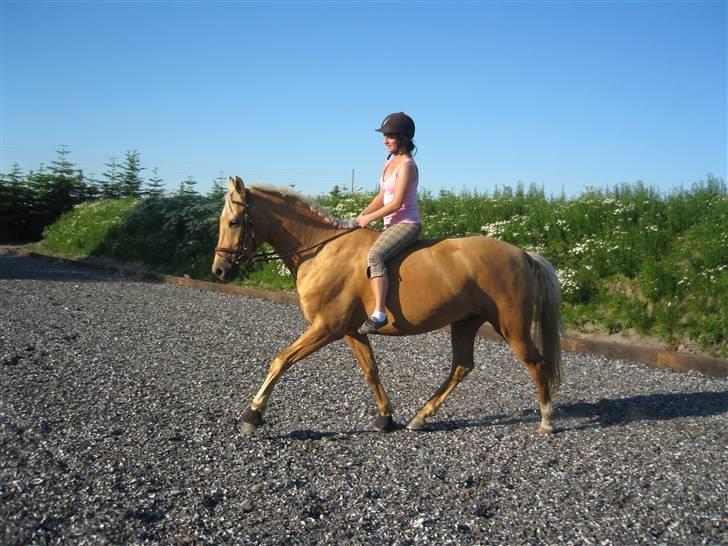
391,142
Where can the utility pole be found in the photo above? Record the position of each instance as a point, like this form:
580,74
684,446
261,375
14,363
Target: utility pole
353,176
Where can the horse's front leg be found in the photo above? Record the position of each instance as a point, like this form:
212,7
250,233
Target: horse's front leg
362,350
311,340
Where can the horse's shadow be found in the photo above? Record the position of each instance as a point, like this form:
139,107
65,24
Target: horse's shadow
648,407
611,412
604,413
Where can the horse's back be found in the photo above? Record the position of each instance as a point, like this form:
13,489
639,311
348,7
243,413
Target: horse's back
432,283
462,258
445,280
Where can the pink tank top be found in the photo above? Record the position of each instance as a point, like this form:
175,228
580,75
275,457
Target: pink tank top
408,213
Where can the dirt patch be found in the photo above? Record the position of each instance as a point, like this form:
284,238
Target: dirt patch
631,336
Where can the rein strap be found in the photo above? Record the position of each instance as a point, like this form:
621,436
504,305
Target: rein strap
270,256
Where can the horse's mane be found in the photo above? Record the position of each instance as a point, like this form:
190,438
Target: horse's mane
302,200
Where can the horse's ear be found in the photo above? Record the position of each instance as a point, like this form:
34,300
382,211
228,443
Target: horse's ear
236,185
239,186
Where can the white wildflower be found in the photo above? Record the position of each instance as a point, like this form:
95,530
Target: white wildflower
282,270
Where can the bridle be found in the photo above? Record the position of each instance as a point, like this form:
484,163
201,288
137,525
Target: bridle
242,252
247,239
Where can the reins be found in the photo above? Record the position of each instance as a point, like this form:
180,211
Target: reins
241,251
264,257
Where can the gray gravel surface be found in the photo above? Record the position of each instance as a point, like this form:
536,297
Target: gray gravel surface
119,402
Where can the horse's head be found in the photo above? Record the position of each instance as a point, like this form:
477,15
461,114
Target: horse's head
236,242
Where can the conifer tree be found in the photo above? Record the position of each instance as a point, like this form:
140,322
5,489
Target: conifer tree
155,186
66,184
187,187
16,187
218,189
131,181
8,207
15,202
111,181
40,186
91,188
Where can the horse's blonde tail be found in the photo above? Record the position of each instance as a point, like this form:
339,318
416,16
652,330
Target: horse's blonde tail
548,326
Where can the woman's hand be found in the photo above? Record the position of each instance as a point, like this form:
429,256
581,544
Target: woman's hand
363,220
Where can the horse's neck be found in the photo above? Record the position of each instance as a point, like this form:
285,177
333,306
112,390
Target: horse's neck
291,227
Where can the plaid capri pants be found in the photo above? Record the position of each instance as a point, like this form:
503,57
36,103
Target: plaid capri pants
393,240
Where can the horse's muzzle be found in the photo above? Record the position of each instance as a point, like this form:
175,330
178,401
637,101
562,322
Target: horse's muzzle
221,268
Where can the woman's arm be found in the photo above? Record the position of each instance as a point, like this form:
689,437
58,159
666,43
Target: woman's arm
376,203
405,176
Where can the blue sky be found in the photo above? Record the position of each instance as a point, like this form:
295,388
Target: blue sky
560,94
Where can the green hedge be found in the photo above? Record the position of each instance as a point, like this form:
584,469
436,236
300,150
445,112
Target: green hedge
627,258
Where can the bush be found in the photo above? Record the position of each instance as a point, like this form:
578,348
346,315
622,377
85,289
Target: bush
626,258
176,234
84,229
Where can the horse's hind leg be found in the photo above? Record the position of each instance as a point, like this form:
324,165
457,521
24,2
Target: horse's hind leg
311,340
362,350
525,349
462,334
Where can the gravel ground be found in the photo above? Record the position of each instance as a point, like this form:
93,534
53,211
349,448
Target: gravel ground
118,424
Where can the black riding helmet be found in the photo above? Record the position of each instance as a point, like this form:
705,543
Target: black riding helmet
399,123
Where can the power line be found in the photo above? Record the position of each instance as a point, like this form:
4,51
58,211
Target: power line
172,171
49,153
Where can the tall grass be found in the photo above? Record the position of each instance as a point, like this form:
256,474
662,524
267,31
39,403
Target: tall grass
87,227
627,257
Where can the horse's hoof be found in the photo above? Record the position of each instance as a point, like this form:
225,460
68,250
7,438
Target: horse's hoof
250,420
416,424
545,430
385,423
247,428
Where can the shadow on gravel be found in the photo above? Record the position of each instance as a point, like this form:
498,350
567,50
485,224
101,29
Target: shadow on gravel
311,435
605,413
526,417
433,426
308,434
22,268
649,407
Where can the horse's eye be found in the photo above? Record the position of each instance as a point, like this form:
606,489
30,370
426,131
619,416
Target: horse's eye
234,223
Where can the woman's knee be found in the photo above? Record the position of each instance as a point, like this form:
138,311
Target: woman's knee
377,269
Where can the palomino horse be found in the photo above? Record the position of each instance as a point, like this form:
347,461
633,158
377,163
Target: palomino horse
462,282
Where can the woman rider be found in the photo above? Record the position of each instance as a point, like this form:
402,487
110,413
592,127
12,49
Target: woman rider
396,202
